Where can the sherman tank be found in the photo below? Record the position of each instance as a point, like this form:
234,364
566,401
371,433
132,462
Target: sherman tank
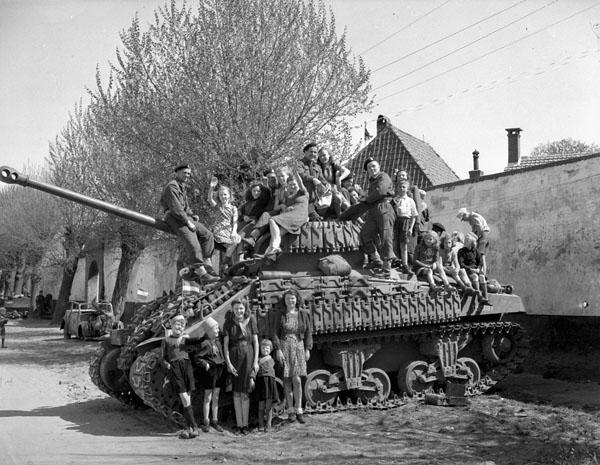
376,335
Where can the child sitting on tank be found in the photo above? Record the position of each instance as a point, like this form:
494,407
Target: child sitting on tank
471,267
427,260
449,258
211,373
180,373
265,385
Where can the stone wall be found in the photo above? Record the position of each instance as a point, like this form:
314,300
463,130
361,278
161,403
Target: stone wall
545,231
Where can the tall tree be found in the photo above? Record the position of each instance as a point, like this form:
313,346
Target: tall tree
29,226
69,157
236,84
566,146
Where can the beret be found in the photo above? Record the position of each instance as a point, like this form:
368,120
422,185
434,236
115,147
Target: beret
367,161
182,167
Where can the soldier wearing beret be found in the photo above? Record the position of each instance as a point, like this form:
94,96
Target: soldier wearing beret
198,240
379,221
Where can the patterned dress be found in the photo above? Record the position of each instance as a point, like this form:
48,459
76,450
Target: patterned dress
225,219
294,357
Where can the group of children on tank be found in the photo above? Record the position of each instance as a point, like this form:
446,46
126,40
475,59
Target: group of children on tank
236,358
290,196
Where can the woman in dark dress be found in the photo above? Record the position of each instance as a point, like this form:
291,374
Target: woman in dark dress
240,345
292,339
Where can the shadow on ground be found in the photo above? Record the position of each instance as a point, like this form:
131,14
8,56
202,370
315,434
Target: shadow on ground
101,417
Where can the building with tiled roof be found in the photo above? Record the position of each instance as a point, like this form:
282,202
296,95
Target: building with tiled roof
516,162
397,150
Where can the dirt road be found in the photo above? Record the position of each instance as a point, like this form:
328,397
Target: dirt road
51,413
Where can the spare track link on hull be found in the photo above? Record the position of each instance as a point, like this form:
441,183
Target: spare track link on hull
127,396
147,379
156,316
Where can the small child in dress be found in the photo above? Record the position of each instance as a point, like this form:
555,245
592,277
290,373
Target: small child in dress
471,267
211,363
427,260
179,370
266,385
407,214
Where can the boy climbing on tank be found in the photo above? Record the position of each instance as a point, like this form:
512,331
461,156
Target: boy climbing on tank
481,231
180,372
471,267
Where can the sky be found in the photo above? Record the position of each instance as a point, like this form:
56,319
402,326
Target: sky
455,73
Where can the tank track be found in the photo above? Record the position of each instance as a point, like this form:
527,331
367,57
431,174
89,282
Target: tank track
147,378
126,396
489,379
147,375
154,316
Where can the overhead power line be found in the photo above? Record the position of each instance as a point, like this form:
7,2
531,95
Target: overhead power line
511,79
490,52
448,36
485,36
404,28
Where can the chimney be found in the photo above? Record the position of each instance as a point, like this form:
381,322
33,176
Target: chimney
382,123
476,172
514,145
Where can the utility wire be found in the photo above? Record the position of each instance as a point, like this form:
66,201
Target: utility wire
448,36
485,36
507,80
404,28
490,52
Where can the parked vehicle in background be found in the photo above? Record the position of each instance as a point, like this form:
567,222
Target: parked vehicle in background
87,320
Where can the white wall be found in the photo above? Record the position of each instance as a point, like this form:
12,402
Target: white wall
545,231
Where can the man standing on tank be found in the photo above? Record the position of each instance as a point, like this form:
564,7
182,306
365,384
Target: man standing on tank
379,221
198,240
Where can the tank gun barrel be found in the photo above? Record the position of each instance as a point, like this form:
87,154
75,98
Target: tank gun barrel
10,175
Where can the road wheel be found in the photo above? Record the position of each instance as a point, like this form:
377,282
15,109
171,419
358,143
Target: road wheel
411,378
473,368
382,383
316,382
498,348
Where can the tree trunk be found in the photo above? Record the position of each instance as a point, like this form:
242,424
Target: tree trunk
73,250
20,274
12,275
35,279
131,249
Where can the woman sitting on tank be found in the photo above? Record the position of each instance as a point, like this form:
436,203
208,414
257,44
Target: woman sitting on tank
334,174
256,201
290,220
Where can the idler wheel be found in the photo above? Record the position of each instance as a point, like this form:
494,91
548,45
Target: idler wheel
473,368
412,378
382,383
314,388
498,348
109,371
